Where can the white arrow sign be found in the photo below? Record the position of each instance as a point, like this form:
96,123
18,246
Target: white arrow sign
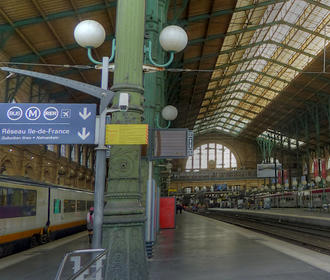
84,115
83,135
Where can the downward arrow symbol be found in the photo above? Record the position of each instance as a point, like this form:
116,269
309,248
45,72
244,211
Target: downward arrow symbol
83,135
84,115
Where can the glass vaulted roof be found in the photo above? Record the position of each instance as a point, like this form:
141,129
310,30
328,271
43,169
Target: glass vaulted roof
265,48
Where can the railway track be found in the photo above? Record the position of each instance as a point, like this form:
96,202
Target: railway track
312,237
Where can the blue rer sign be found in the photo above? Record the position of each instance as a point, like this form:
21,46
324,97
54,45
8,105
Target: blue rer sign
47,123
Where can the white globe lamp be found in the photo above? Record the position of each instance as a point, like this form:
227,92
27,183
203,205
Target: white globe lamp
169,113
317,179
173,38
89,34
328,178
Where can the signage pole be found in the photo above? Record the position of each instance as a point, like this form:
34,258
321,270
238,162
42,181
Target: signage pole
100,168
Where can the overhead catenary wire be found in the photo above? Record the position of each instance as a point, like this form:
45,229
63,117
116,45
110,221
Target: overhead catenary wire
48,65
146,68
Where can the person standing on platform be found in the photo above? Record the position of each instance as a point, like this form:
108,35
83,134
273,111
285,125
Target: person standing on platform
90,220
178,208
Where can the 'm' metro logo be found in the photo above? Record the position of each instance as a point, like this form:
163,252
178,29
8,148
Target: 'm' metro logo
32,113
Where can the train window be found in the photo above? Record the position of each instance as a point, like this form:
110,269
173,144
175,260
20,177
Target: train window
69,206
17,202
15,197
57,206
3,197
81,205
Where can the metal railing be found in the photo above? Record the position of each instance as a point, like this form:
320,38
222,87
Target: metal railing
82,265
214,174
204,175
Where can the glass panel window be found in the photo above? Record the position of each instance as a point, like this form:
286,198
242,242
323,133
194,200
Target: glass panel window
73,153
223,157
196,158
81,205
219,163
69,206
204,151
226,158
63,151
81,154
50,148
17,202
189,163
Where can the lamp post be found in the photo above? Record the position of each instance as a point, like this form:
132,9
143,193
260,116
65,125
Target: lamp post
91,34
124,217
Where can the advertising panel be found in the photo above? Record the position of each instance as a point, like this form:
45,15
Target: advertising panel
267,170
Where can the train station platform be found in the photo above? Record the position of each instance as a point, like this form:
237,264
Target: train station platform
293,215
199,248
204,248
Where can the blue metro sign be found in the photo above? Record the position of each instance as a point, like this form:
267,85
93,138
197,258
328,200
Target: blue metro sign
47,123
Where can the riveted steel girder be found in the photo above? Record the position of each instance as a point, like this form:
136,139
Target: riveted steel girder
316,3
217,117
52,50
249,46
231,106
258,58
229,11
237,99
64,14
229,112
248,82
254,28
217,123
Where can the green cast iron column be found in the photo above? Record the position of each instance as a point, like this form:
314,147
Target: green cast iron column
156,17
123,227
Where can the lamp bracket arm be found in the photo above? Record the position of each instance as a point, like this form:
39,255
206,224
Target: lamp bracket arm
90,56
148,50
113,52
157,123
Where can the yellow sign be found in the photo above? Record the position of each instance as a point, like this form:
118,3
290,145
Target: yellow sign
126,134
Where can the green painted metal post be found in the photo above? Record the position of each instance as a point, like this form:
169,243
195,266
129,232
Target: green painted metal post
123,226
156,16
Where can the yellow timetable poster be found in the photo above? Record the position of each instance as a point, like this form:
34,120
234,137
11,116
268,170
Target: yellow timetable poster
126,134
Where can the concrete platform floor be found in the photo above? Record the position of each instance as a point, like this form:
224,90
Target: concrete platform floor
42,262
199,248
203,248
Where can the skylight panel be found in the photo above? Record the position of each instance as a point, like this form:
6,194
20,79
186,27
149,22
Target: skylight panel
280,58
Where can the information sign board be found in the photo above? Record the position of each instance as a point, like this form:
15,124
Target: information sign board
267,170
171,143
126,134
47,123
